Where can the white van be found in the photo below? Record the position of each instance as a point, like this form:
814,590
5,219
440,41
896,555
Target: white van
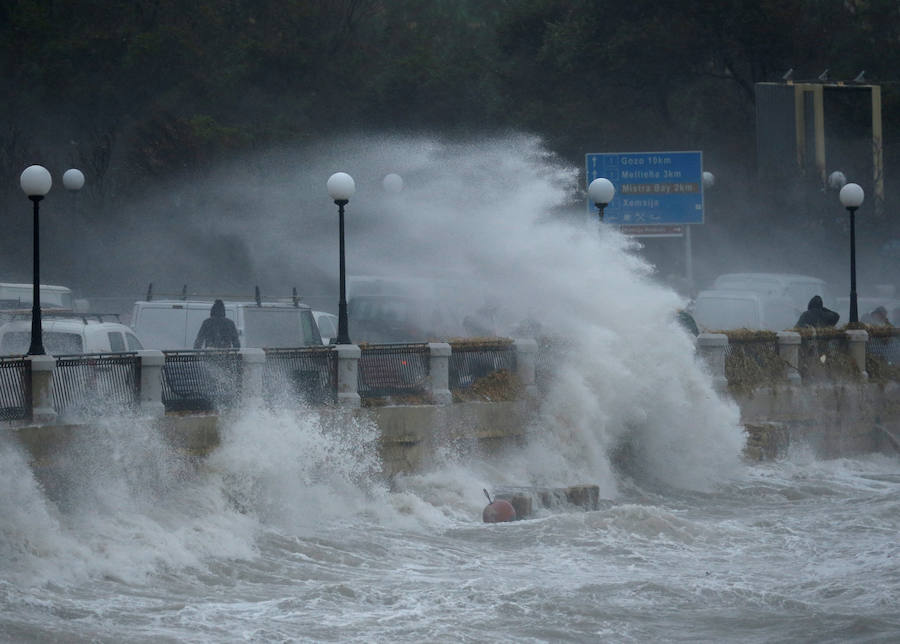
173,324
724,310
798,288
19,296
69,334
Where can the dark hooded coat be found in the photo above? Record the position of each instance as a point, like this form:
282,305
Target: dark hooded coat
817,315
217,331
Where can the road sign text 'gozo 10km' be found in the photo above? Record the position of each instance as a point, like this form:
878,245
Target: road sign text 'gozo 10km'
656,192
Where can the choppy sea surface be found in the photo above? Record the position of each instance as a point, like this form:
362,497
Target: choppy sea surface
153,550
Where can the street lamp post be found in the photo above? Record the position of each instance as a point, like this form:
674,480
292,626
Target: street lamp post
851,197
601,191
36,182
341,187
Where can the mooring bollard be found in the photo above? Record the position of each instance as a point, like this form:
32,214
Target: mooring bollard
789,352
347,374
43,368
439,369
253,363
526,358
856,344
711,347
150,401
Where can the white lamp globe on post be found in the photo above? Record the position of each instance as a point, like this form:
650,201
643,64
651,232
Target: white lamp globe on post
36,183
392,182
837,180
73,179
601,192
851,196
341,187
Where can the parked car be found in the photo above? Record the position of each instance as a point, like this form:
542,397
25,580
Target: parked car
328,325
173,324
722,310
798,288
865,305
69,333
19,296
399,319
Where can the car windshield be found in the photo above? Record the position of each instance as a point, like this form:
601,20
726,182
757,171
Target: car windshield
18,342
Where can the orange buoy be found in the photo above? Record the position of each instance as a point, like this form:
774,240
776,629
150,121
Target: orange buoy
498,511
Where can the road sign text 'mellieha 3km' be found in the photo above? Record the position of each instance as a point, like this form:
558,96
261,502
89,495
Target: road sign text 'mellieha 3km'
654,190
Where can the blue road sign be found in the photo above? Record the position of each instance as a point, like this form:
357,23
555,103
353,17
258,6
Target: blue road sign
652,188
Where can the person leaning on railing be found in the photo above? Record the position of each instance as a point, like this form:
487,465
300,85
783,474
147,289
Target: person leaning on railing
816,315
217,331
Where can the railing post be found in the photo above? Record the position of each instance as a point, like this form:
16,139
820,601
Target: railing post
152,362
253,361
42,369
526,357
856,342
347,374
789,352
711,347
439,368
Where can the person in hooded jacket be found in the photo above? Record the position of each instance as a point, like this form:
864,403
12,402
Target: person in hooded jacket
817,315
217,331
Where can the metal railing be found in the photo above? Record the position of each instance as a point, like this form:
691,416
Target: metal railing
883,354
470,361
824,355
309,373
201,380
93,384
393,370
753,360
15,389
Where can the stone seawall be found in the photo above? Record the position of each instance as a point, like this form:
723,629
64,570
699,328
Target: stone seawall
831,419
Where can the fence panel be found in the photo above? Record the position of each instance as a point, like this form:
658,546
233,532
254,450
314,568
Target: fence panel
470,361
201,380
825,356
15,389
883,354
753,361
393,369
309,372
91,384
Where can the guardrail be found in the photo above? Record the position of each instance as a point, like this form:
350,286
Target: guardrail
15,389
44,389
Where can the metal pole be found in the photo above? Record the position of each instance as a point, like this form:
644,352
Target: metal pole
688,258
37,339
343,332
854,313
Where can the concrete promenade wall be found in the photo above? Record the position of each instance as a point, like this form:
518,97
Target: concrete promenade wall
410,435
833,420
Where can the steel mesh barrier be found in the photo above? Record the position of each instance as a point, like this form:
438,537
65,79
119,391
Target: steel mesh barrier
754,361
201,380
393,369
826,357
883,355
310,373
93,384
15,389
471,361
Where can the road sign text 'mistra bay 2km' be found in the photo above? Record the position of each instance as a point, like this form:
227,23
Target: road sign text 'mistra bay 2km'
653,189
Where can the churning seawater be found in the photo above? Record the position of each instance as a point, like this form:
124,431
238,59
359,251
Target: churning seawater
288,532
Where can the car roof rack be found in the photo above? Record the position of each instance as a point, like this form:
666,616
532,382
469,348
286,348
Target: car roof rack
293,298
21,314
